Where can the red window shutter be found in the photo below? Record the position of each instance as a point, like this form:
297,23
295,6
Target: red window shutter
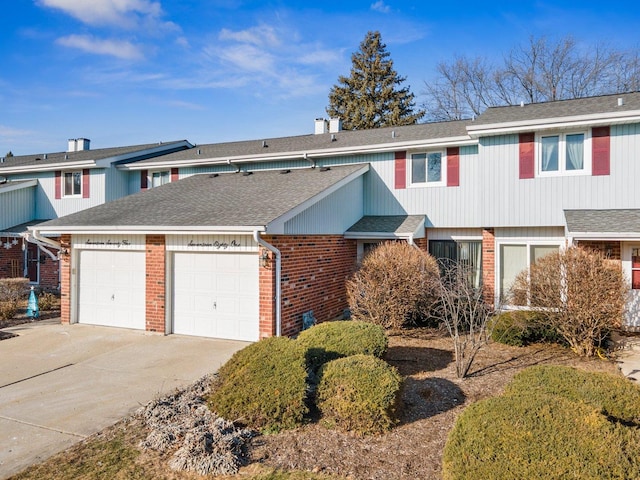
401,170
85,183
527,159
174,174
601,151
453,167
58,188
144,179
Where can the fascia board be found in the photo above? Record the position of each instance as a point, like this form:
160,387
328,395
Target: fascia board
134,229
613,236
308,154
49,167
159,149
276,226
593,119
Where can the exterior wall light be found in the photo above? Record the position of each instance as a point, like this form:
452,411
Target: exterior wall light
265,260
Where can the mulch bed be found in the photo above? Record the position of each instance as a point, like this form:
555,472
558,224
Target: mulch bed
433,398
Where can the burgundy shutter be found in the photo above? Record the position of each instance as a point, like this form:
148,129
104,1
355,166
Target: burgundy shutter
527,160
174,174
85,183
58,188
144,179
401,170
601,151
453,167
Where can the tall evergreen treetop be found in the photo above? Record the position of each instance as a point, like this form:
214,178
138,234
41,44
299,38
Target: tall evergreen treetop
371,97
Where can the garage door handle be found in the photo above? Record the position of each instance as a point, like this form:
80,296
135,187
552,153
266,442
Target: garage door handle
215,305
113,296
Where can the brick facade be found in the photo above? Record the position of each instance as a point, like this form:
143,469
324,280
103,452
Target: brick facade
65,279
610,249
11,259
488,264
315,269
155,283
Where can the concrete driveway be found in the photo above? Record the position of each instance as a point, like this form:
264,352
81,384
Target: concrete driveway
62,383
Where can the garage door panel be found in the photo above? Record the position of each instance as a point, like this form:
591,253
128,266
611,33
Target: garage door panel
111,288
223,288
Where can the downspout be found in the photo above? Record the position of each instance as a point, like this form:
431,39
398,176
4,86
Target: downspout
33,236
268,246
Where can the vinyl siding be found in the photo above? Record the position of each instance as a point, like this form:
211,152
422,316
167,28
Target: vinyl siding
17,207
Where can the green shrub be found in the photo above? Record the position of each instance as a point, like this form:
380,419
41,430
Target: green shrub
520,328
614,395
330,340
552,422
359,393
263,385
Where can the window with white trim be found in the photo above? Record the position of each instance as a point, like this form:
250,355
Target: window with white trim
73,183
516,257
468,254
564,154
428,168
160,178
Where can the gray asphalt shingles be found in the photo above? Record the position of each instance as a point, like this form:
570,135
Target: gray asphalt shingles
603,221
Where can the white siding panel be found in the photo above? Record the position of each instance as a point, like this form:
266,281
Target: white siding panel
211,243
451,233
331,215
17,206
529,233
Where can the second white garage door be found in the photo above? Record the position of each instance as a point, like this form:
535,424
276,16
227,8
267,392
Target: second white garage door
216,295
111,288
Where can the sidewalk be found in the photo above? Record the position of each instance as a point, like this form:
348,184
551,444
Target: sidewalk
628,356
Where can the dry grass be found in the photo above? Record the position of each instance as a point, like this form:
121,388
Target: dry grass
433,398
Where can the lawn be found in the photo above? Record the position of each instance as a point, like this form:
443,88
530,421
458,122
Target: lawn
433,397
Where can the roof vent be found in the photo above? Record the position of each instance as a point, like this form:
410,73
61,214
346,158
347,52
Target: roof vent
1,159
45,156
283,172
66,157
333,137
38,159
213,175
620,101
325,169
393,134
199,151
246,174
264,144
521,103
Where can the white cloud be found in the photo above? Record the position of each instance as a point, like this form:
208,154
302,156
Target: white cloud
320,57
116,48
11,134
380,6
247,57
262,35
126,14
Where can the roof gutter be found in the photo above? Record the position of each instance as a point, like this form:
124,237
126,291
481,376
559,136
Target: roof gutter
43,243
268,246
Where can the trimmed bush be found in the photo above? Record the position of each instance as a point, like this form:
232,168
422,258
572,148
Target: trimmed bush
521,327
359,394
331,340
263,386
552,422
613,395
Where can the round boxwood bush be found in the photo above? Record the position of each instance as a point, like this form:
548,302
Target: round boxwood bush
359,393
331,340
552,422
614,395
263,385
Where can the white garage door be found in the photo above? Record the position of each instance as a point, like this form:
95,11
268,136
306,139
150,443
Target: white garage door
216,295
111,288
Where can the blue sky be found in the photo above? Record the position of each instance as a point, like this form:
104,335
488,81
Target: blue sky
124,72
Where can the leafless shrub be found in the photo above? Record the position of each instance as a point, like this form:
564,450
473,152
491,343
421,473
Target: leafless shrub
12,292
394,287
582,294
206,444
464,312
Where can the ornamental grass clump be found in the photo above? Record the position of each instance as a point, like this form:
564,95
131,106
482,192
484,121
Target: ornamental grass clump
359,394
263,386
331,340
552,422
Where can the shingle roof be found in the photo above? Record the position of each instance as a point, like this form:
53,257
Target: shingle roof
315,142
394,225
559,109
44,160
603,221
227,199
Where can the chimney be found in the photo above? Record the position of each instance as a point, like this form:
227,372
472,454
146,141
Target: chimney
321,126
335,125
78,144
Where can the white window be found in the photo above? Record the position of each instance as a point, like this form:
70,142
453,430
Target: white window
160,178
427,168
564,154
73,183
516,257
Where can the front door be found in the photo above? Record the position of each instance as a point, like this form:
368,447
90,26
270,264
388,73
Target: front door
632,261
32,262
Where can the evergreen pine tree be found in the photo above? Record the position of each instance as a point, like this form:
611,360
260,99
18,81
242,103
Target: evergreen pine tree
371,96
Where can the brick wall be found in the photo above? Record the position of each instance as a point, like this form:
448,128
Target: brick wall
610,249
65,279
314,272
488,264
12,259
155,283
267,296
422,243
